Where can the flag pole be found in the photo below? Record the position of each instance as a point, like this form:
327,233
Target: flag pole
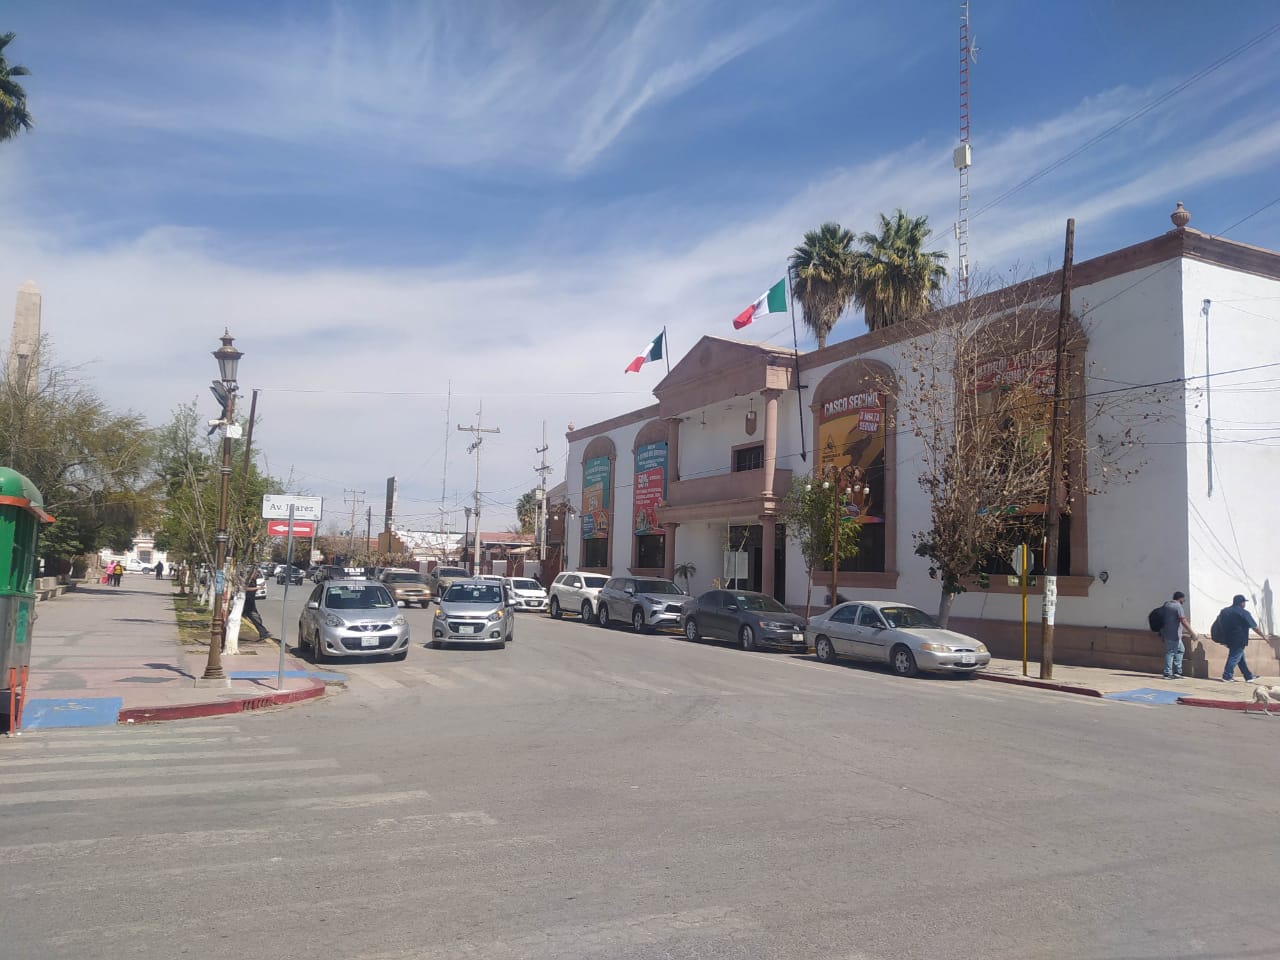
795,341
666,348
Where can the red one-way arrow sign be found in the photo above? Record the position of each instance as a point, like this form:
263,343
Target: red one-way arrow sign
301,528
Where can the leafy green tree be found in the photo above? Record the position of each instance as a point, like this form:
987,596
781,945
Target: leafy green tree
895,279
809,512
14,116
90,463
823,275
527,512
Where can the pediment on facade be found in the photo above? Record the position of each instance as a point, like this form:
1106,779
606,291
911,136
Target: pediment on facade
717,368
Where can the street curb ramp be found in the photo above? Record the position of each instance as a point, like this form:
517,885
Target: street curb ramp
188,711
1039,684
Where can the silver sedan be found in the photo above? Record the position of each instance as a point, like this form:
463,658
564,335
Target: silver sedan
906,638
352,618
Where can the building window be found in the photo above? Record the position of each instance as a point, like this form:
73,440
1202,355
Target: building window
595,552
144,556
651,551
748,458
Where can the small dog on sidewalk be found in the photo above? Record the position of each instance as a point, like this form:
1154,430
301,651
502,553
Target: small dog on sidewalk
1264,696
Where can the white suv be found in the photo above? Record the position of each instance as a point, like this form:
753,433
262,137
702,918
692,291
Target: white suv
576,593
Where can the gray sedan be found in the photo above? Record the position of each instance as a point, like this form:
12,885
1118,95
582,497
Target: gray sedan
352,618
474,611
907,639
751,619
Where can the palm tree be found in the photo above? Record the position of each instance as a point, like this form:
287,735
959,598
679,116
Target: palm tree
684,571
895,279
823,276
13,99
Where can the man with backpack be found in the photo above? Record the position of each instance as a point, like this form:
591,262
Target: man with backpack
1175,618
1231,629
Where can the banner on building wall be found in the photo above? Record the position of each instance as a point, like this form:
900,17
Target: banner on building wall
596,481
650,486
851,432
1031,368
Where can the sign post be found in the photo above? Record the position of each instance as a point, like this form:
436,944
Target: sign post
302,516
1019,561
284,600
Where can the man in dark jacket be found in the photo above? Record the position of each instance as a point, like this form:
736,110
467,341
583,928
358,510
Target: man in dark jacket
1235,624
250,611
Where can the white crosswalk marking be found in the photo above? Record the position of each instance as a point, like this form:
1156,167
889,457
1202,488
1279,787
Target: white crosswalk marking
480,677
377,679
429,678
181,770
149,757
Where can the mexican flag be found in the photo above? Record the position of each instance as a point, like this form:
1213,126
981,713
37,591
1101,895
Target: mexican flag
774,300
652,352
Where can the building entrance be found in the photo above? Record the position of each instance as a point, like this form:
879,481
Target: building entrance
748,539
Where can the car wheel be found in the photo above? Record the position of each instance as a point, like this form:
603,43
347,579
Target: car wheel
317,650
586,611
691,630
555,609
637,620
903,661
748,637
824,650
602,615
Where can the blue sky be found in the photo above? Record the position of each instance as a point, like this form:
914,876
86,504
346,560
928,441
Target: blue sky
381,197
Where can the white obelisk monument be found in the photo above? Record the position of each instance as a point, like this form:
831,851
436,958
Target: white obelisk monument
24,342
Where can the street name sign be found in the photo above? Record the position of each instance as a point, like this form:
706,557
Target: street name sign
301,528
276,507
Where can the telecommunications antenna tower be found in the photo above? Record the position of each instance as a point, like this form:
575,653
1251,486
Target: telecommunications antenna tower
962,158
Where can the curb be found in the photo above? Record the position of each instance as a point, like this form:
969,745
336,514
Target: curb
1038,684
1238,705
188,711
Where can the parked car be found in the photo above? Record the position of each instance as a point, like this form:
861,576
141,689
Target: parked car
352,618
441,578
751,619
885,631
527,593
473,611
643,602
292,574
406,586
573,592
330,571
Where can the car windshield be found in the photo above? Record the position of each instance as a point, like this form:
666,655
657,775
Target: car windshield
489,593
372,596
758,601
657,586
403,578
907,617
451,572
526,584
595,582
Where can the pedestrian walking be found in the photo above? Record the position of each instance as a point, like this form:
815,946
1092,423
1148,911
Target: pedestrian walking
1235,622
159,569
117,574
1175,619
250,611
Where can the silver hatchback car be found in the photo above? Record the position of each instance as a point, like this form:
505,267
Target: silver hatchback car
474,611
352,618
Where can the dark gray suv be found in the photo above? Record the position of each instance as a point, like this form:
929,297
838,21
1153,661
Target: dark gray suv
643,602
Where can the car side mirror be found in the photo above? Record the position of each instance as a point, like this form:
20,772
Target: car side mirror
732,606
631,592
313,605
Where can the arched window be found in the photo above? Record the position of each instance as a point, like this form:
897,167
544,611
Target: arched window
597,504
648,541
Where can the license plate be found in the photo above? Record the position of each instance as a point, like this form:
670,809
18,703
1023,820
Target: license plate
797,638
967,658
368,641
468,628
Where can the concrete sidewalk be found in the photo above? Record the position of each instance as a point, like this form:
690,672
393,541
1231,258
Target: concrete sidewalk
102,655
1128,685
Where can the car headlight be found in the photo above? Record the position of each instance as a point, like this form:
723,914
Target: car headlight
935,648
334,621
495,616
439,614
399,621
777,625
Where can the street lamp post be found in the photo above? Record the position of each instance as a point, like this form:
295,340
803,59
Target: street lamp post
847,481
466,537
228,358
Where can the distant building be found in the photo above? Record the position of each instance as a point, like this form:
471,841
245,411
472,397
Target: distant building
143,553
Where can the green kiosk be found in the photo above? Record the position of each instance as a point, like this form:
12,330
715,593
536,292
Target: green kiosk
21,513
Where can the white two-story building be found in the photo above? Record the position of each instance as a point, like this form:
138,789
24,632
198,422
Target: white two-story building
698,477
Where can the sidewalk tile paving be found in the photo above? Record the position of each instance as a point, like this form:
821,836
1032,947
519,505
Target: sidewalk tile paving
102,655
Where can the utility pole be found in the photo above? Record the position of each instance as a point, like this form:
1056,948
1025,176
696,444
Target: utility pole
1052,508
541,528
444,472
356,499
477,431
368,531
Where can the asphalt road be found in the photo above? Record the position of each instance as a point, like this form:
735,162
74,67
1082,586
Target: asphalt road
592,793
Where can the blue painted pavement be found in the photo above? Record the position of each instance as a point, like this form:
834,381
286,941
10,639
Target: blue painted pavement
1146,695
68,712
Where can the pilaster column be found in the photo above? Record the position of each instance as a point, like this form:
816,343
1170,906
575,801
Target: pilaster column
768,532
673,449
770,439
669,550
